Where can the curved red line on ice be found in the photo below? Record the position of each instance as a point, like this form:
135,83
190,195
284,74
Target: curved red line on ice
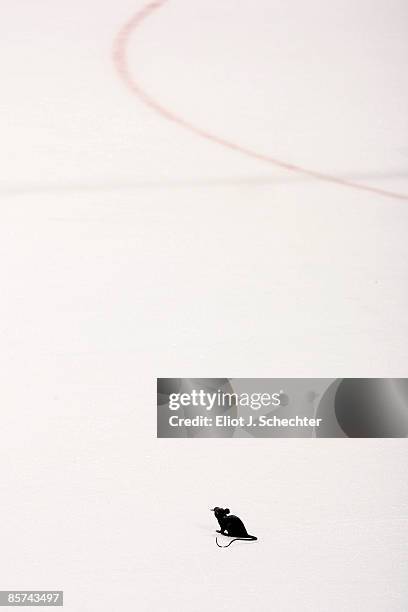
121,63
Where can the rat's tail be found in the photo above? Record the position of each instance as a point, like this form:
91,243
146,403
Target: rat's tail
248,538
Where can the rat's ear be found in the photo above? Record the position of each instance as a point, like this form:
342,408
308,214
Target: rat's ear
227,510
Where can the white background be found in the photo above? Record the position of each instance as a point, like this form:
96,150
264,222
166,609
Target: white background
131,249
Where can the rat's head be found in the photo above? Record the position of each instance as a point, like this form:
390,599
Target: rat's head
220,512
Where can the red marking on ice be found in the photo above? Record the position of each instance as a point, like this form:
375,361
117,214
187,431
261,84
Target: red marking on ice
121,63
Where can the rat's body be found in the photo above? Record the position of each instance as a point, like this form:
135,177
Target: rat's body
232,526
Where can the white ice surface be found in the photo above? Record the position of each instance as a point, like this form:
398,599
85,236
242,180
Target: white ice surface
131,249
